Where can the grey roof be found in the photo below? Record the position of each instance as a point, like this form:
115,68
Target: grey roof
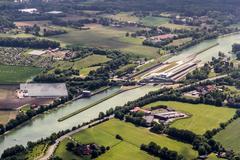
45,89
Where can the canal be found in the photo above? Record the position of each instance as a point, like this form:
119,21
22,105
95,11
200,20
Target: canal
225,45
45,124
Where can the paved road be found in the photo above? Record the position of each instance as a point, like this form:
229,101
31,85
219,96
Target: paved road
52,147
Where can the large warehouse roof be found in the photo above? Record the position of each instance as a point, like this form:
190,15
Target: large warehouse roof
44,89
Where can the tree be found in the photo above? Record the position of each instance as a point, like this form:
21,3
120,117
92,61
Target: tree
70,146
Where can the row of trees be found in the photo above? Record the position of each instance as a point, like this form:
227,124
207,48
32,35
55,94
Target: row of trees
163,153
28,43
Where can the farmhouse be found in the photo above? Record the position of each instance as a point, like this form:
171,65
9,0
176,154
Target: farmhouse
42,90
138,109
168,115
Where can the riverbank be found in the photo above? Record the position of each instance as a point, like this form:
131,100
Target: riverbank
96,103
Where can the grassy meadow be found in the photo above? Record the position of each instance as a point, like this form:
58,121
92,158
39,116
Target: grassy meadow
229,137
104,134
85,65
106,37
202,117
17,74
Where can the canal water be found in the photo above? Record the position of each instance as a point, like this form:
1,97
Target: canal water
44,125
225,45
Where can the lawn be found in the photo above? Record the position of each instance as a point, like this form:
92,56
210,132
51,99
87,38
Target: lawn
203,117
106,37
154,21
104,134
85,71
17,74
229,137
63,153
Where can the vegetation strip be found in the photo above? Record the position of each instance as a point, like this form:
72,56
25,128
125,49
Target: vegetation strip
94,104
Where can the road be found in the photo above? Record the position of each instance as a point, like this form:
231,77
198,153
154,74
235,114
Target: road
53,147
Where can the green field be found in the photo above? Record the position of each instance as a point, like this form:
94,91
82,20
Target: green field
83,65
154,21
104,134
229,137
17,74
37,151
175,26
203,117
106,37
89,61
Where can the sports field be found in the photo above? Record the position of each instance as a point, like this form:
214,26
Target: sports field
106,37
202,117
17,74
104,134
229,137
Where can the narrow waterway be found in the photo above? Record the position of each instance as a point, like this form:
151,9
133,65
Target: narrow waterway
44,125
225,45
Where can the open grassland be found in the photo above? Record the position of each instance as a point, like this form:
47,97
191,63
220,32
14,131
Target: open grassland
202,117
37,151
123,16
84,65
213,156
5,116
106,37
179,42
90,60
104,134
17,74
175,26
154,21
229,137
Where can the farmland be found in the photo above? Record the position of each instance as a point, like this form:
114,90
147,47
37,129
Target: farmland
229,137
17,74
5,116
104,134
202,117
84,65
154,21
106,37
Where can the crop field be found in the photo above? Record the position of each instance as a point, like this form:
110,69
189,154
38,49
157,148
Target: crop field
104,134
5,116
202,117
17,74
106,37
229,137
